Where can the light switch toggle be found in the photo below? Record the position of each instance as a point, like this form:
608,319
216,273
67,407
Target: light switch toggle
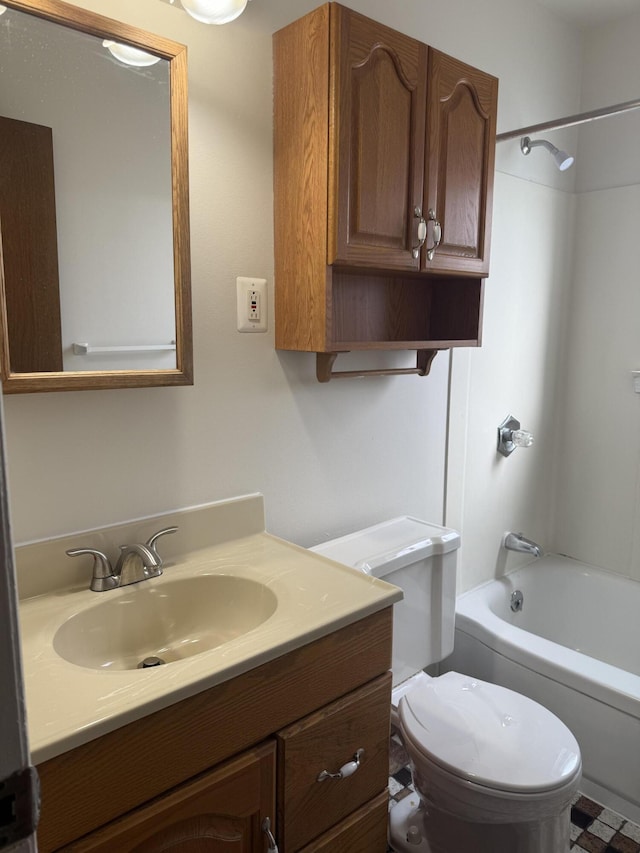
251,304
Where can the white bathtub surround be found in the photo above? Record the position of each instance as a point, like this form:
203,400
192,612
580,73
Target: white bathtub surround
570,649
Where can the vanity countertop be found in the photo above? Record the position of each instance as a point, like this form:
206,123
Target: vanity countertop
69,704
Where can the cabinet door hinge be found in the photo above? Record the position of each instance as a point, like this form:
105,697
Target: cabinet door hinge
19,806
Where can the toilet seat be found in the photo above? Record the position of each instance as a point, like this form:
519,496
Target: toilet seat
488,735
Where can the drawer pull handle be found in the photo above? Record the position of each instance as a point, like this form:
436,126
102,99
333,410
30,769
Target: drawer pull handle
437,234
266,828
422,231
347,769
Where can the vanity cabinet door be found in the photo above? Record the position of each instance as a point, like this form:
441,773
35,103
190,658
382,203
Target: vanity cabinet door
327,740
377,143
460,157
219,812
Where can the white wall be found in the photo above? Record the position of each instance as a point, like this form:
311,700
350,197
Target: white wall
515,373
598,482
327,457
517,370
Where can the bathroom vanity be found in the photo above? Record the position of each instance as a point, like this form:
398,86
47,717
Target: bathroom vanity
221,762
222,747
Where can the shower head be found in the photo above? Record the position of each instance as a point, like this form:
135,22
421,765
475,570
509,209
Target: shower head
562,159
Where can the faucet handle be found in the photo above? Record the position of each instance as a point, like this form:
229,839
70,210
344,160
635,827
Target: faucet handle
103,577
151,543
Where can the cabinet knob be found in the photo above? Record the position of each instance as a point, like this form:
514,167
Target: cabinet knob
347,769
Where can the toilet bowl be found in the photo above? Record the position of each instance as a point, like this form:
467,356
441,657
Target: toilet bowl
494,771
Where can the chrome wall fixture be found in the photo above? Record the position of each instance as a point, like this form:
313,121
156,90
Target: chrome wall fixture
570,121
511,436
562,160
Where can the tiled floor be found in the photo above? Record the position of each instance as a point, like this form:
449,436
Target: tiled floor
594,829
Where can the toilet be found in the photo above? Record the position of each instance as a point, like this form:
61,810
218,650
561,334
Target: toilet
494,771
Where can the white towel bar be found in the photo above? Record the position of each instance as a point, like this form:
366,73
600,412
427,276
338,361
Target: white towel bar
88,349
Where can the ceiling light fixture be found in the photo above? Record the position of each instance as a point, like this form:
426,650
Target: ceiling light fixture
214,11
130,55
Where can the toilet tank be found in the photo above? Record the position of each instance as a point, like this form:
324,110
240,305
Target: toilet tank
421,559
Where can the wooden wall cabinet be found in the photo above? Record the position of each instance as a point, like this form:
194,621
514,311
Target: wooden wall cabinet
204,774
379,143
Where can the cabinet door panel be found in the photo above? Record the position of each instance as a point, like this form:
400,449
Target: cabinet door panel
29,247
461,123
219,812
377,167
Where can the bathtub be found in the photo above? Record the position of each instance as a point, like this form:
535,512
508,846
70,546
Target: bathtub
575,648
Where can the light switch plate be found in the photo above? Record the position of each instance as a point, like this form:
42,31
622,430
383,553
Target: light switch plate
251,304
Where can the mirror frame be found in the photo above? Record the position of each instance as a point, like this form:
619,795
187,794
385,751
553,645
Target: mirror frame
79,19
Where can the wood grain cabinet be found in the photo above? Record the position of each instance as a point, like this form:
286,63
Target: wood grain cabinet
383,148
220,812
203,774
353,731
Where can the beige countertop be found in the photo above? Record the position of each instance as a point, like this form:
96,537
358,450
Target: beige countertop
69,704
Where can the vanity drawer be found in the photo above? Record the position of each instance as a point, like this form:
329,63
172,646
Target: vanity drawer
327,740
364,831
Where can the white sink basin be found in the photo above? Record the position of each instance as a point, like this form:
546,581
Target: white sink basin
171,620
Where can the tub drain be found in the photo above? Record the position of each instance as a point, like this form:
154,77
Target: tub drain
152,660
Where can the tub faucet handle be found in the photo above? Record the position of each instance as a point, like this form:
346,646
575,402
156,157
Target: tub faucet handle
511,436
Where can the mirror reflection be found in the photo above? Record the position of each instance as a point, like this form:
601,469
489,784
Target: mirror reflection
92,211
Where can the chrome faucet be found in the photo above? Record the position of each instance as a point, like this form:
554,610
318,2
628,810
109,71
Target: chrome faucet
137,562
518,542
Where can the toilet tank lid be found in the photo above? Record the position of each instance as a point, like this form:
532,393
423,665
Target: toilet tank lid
383,548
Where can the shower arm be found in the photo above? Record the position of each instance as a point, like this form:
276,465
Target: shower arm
570,121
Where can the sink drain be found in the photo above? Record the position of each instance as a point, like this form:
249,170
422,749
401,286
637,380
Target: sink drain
150,661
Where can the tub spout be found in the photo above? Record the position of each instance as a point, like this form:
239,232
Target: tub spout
518,542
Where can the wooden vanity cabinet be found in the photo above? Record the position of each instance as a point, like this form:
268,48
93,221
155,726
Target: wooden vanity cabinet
219,812
325,741
203,774
372,130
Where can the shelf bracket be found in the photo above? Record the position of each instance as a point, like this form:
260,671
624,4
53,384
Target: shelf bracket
326,360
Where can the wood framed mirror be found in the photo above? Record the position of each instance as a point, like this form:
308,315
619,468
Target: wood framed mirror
95,281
